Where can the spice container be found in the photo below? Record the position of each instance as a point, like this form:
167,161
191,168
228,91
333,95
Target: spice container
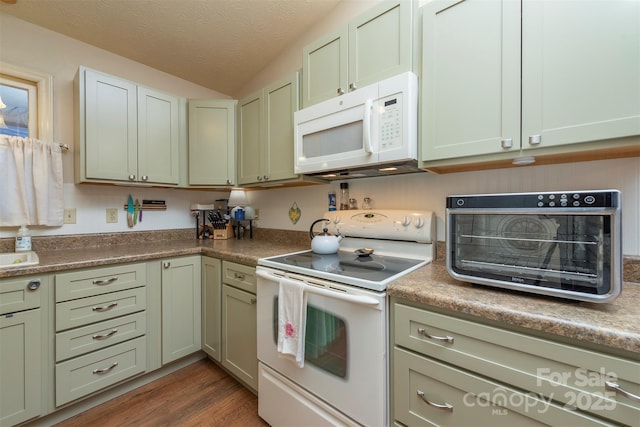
332,201
344,196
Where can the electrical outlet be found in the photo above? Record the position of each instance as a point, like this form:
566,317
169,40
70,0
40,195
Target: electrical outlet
69,216
112,215
256,214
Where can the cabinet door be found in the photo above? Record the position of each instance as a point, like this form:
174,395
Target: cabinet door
158,137
381,43
470,78
181,307
110,127
281,101
325,65
251,161
212,139
20,367
239,335
211,307
580,71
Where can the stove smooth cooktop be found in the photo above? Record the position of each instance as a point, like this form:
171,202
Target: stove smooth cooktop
370,272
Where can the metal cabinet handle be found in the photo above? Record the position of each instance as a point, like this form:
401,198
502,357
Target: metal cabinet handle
340,91
266,177
105,307
611,386
259,178
132,177
444,406
166,264
101,337
446,338
229,182
238,276
507,143
145,178
252,301
103,370
104,281
535,139
352,86
33,285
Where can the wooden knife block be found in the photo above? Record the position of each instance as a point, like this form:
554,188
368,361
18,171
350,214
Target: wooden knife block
223,233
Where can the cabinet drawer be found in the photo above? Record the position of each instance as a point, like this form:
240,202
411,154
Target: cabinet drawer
80,312
569,374
17,295
78,377
86,283
240,276
78,341
473,400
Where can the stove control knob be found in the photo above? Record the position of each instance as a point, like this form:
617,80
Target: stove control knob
406,221
419,222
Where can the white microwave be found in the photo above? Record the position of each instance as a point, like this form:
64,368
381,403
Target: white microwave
370,131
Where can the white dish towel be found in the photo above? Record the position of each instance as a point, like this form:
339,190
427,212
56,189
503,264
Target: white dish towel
292,320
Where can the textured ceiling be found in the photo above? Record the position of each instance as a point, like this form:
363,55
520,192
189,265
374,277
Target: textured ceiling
219,44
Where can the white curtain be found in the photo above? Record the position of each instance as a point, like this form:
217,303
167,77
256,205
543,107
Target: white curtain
30,182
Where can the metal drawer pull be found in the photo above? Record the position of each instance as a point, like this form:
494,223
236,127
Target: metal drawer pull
101,337
446,338
103,370
105,307
238,276
444,406
611,386
105,281
253,301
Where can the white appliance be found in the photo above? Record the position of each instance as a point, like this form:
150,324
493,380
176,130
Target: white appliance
370,131
344,380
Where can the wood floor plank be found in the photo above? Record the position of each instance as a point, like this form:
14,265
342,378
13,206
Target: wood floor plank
199,395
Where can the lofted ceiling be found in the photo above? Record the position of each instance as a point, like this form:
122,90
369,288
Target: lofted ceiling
218,44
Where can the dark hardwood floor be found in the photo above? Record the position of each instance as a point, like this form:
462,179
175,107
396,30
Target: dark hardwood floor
201,394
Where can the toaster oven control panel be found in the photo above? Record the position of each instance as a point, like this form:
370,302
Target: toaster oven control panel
562,199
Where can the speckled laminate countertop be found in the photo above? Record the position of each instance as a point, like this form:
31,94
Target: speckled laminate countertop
615,324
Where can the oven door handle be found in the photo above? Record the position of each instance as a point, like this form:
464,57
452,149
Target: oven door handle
356,299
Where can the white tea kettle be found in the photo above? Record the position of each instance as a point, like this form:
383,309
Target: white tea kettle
324,243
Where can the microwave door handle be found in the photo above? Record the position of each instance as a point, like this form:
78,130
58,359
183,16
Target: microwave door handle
356,299
367,126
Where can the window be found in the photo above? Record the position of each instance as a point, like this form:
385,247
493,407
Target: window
25,103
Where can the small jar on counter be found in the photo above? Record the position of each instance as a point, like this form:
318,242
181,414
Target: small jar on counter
344,196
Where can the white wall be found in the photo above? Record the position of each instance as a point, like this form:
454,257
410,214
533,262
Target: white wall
30,46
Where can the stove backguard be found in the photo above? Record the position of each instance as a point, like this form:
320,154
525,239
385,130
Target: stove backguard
569,250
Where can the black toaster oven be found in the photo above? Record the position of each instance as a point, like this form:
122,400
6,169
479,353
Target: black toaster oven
563,243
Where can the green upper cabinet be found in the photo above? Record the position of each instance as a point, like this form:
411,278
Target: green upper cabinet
158,136
508,78
580,71
212,140
125,132
470,77
265,129
377,44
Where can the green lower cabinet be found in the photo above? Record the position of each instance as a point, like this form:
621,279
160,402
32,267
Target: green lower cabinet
239,334
20,373
449,370
181,307
211,307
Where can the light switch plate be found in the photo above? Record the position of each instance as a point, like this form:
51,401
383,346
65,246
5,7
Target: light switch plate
112,215
69,216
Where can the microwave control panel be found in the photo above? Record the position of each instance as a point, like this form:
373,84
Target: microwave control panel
390,122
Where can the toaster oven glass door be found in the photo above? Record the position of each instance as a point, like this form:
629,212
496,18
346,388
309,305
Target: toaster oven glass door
568,252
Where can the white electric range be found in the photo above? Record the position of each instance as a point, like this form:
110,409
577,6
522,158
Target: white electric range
344,379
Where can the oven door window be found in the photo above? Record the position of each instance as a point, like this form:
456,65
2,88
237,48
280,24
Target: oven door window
325,339
570,252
